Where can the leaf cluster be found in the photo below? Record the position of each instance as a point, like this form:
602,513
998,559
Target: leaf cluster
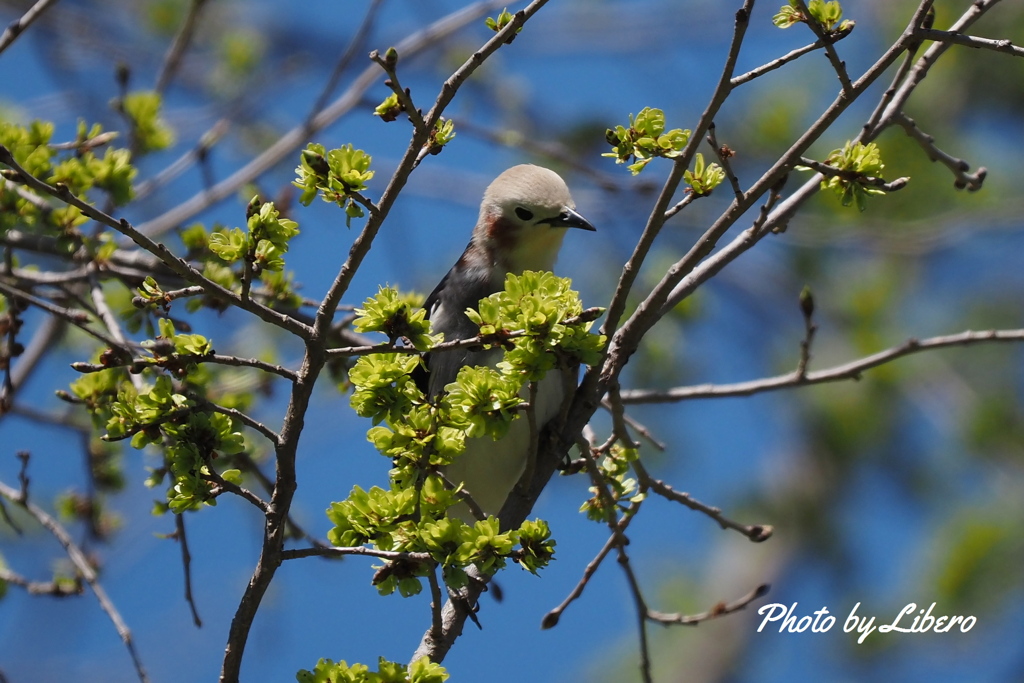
397,316
337,175
78,168
614,470
644,139
150,132
190,438
703,179
825,14
420,671
857,163
264,243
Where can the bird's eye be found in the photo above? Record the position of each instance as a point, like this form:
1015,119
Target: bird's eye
524,215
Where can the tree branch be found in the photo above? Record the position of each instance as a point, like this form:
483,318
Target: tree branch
17,27
847,371
299,136
757,533
179,266
719,610
316,357
830,51
83,567
970,181
172,60
998,45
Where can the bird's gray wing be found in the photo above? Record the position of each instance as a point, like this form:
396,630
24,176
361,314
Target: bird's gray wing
463,287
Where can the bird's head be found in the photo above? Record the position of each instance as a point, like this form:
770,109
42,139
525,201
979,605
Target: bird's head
523,218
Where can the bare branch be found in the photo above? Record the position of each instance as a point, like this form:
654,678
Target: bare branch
58,589
755,532
719,610
172,60
852,370
642,611
830,50
336,551
300,135
776,63
186,565
83,567
551,619
17,27
239,362
999,45
971,181
77,318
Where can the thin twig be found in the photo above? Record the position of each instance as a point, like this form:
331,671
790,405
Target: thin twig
239,491
719,610
77,318
300,135
636,426
755,532
851,370
172,60
186,565
723,154
999,45
551,619
642,612
84,568
58,589
18,27
336,551
245,419
775,63
830,50
970,181
239,362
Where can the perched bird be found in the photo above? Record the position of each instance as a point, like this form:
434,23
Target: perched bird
523,218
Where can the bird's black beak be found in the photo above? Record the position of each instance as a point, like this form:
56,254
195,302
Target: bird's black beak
570,219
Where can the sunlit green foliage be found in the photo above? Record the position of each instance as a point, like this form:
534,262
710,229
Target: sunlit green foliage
420,671
644,139
336,175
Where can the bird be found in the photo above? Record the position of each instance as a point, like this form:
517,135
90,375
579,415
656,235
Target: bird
523,219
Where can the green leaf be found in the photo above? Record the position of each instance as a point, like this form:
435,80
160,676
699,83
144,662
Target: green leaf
143,110
645,139
229,245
